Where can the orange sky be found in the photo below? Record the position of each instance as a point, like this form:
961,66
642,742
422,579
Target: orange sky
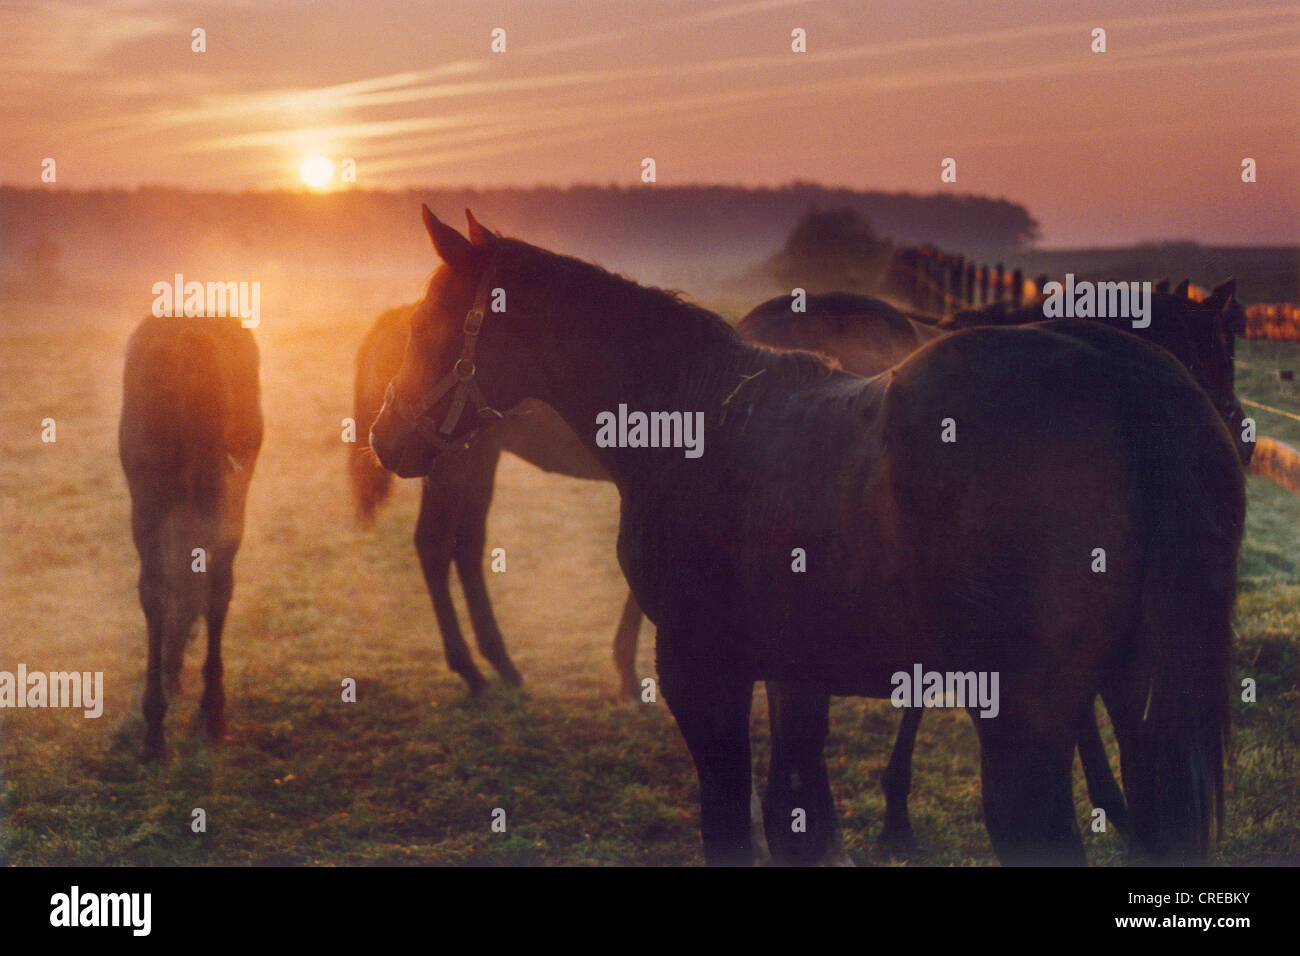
1144,141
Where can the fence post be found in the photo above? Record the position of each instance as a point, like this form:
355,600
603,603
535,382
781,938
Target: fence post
946,287
918,291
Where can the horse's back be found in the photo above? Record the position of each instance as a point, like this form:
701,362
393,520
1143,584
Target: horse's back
191,424
865,335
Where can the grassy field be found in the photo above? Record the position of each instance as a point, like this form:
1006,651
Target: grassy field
412,771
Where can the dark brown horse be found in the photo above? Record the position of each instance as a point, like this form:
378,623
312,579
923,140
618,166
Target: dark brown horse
189,436
943,515
1202,335
868,335
454,502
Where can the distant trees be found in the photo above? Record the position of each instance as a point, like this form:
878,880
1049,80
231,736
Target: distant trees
829,250
655,235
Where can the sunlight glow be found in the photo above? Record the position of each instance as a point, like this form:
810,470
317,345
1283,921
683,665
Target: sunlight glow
316,171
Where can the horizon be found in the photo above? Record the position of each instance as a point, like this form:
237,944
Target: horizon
304,192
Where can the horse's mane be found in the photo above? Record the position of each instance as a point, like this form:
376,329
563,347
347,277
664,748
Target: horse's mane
696,328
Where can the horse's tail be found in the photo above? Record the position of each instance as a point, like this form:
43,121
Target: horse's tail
1176,702
378,360
371,484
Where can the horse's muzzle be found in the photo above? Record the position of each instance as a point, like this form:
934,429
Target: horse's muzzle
398,447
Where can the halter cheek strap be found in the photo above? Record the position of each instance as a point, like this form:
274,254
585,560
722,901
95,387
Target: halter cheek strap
459,382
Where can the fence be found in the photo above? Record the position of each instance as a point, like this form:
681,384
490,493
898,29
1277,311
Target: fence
941,283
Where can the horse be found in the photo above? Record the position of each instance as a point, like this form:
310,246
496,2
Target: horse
454,500
188,439
868,335
1200,334
457,493
833,532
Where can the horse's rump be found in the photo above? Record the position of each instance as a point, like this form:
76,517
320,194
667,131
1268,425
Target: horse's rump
190,411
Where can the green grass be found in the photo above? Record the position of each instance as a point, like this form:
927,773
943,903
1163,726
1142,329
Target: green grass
1258,363
412,771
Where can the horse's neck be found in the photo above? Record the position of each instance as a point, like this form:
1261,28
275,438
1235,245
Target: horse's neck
650,358
542,438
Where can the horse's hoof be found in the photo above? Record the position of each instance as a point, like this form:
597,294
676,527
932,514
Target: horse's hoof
512,677
896,841
151,752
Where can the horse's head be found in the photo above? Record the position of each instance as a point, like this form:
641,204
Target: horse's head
459,372
1211,327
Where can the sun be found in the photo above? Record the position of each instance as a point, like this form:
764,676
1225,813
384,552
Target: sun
316,171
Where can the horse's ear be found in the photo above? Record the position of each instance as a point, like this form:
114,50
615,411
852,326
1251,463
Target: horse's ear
1163,285
478,233
1223,293
1183,288
452,248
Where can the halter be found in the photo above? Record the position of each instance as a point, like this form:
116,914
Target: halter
459,381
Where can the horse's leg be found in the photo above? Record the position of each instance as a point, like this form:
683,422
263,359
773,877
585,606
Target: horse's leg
153,600
1102,788
173,660
469,564
221,585
471,537
798,810
625,640
1025,776
897,784
712,712
434,544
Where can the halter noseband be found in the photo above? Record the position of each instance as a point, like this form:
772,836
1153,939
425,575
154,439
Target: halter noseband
459,381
